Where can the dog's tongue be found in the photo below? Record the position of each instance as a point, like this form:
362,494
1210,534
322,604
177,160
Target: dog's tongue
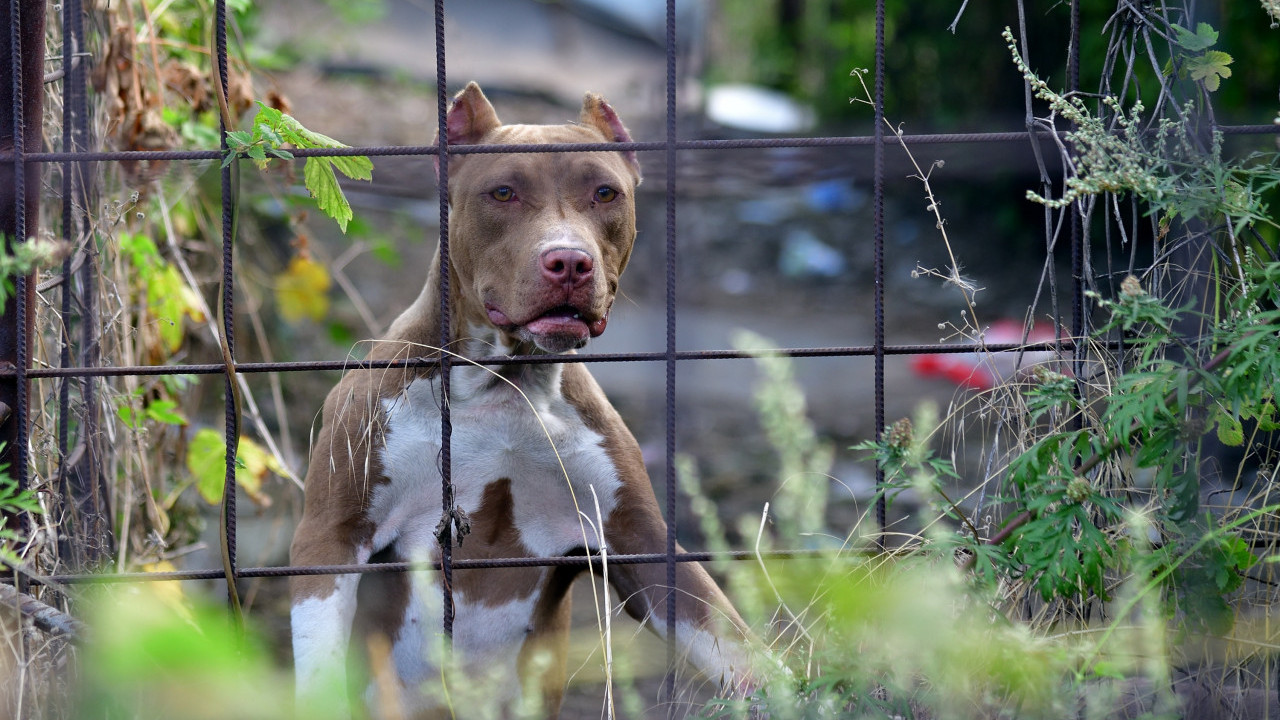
564,323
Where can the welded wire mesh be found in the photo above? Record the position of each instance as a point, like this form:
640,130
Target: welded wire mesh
84,365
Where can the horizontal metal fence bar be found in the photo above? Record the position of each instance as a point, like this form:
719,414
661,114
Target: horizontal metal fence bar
368,568
653,146
315,365
1271,129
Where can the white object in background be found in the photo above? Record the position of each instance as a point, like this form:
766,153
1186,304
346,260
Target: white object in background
758,109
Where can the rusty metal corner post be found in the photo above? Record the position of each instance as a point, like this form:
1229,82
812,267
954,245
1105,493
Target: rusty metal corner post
21,112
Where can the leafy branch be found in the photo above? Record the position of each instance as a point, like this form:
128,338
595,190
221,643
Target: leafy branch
1208,67
24,258
272,130
1165,167
1155,408
13,501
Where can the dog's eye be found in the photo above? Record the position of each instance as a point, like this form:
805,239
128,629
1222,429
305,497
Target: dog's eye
503,194
604,193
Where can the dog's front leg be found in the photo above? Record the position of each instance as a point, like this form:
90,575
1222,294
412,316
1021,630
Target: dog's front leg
708,630
323,609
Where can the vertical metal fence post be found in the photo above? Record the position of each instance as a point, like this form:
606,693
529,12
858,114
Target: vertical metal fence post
88,470
232,429
21,110
670,262
446,424
67,542
882,509
1078,320
87,543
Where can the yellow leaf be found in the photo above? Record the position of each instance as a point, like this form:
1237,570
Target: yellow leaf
302,290
206,459
169,298
256,462
169,594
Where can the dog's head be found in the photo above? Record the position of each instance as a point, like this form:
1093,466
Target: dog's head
538,240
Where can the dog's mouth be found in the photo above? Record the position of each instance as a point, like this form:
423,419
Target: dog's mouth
562,325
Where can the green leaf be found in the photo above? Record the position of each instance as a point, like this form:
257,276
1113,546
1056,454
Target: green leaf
269,134
1266,417
301,136
1210,68
385,252
1202,39
259,155
13,499
206,460
237,139
1240,555
356,167
198,134
254,463
267,115
166,412
323,186
1230,431
141,251
128,416
273,128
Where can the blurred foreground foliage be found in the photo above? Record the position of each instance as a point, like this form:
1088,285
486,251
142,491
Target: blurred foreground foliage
156,653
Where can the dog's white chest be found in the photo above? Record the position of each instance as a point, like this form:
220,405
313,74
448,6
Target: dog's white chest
533,439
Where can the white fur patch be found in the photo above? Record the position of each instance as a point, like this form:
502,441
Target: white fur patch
496,434
321,629
553,461
722,659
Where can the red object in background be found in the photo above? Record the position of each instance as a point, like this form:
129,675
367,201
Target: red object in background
983,370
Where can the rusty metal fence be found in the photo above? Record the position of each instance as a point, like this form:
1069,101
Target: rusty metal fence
79,483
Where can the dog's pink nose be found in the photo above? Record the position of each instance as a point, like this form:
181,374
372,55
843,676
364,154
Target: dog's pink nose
567,266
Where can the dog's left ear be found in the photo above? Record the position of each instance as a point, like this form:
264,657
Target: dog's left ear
596,113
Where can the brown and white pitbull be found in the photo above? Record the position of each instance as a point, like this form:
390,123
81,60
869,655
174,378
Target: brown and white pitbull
537,242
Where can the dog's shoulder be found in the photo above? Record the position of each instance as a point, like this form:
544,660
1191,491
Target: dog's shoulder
357,399
584,395
344,451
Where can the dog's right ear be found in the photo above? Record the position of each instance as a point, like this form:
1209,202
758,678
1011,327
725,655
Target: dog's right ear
598,114
470,118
